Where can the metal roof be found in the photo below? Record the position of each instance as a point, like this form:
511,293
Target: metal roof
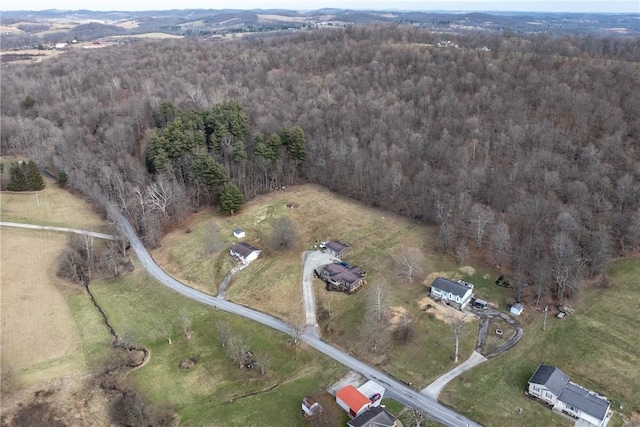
352,397
337,246
550,377
585,400
448,285
243,248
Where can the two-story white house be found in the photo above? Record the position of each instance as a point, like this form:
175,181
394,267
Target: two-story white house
457,294
553,387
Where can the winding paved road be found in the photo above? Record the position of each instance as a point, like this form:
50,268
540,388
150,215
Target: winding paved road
395,389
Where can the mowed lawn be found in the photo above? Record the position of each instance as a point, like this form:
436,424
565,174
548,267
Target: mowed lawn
598,347
215,392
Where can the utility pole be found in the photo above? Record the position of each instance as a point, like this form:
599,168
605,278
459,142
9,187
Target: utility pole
544,325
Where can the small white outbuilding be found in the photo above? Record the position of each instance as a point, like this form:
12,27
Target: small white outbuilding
517,309
239,233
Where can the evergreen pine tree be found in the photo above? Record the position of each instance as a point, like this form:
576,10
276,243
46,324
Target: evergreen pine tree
230,199
25,176
34,177
62,179
17,177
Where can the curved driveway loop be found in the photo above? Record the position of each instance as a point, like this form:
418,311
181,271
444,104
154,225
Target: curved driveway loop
485,318
477,357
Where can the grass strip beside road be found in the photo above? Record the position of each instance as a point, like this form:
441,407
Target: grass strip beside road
208,394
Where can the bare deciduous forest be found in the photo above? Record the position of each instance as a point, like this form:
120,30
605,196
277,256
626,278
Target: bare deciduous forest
520,149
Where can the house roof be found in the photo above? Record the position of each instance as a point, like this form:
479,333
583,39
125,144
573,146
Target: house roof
585,400
352,397
551,377
336,246
243,249
340,272
374,417
448,285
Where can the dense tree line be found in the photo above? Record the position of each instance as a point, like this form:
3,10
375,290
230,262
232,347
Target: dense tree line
25,176
210,151
526,154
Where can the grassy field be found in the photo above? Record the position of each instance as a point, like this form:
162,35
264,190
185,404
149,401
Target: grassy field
214,392
272,284
49,329
597,347
52,206
39,336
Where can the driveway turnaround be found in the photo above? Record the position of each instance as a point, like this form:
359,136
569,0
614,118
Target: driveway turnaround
433,390
395,389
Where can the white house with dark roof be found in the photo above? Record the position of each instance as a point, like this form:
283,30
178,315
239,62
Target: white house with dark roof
244,252
553,387
458,293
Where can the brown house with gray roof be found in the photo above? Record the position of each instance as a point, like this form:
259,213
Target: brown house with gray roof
341,277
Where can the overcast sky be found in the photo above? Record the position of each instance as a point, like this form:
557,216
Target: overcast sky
615,6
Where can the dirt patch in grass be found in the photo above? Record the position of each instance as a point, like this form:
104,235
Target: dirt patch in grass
444,312
69,401
467,269
397,315
39,336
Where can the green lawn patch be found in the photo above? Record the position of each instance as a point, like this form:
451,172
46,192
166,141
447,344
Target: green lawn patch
215,391
597,347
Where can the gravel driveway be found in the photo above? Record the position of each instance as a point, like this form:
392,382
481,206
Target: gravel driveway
312,260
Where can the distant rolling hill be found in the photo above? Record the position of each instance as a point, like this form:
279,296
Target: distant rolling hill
22,28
